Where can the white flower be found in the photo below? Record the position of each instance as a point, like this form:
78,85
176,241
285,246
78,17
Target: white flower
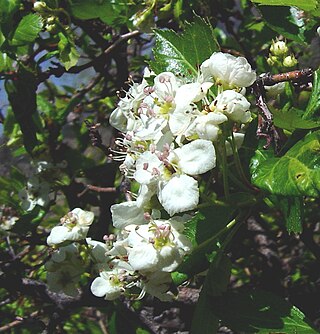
157,284
111,283
234,105
158,246
65,280
35,193
75,226
206,126
186,110
164,173
228,70
64,270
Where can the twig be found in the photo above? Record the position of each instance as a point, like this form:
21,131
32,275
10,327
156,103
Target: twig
18,322
97,189
301,76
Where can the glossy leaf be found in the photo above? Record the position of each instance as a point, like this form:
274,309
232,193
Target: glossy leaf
280,20
297,173
183,54
260,312
304,5
28,29
313,107
292,210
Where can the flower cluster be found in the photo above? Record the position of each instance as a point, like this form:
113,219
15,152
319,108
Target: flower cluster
171,128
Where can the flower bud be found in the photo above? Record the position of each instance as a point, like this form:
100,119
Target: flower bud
272,60
290,61
279,48
40,6
318,31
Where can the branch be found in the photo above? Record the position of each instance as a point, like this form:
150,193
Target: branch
60,70
95,137
266,128
299,76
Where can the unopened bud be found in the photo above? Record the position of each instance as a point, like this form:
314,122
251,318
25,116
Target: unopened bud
272,60
279,48
318,31
40,6
290,61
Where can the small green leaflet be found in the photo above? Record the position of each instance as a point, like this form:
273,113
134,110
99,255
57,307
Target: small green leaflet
297,173
183,54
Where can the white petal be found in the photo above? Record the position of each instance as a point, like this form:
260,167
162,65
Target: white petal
143,257
57,235
180,194
84,217
197,157
126,213
100,287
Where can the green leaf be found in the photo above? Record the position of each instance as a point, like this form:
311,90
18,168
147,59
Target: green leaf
7,9
22,97
293,119
313,107
259,312
29,221
281,21
105,10
183,54
204,320
204,230
304,5
5,62
68,53
292,209
27,30
297,173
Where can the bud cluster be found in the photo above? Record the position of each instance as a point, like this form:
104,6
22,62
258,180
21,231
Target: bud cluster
280,55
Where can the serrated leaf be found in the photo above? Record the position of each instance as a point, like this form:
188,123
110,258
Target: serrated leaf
260,312
304,5
27,30
297,173
313,107
280,20
184,53
293,119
